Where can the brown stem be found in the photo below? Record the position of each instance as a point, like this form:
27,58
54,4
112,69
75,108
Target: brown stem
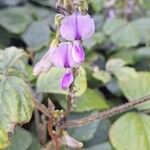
70,97
37,122
42,108
55,137
105,114
43,129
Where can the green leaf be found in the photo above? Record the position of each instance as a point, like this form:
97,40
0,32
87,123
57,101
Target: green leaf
12,59
4,139
128,55
96,39
35,145
21,140
115,64
16,102
11,2
97,4
113,87
38,12
146,4
102,146
102,76
94,135
143,53
90,100
100,137
112,26
14,20
83,133
30,76
40,54
81,82
99,21
5,38
136,86
143,26
131,131
127,36
50,82
125,73
45,2
34,36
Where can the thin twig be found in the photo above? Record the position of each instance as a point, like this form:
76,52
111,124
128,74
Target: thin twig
98,116
42,108
105,114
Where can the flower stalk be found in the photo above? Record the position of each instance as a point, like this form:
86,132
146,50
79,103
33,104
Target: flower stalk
95,117
105,114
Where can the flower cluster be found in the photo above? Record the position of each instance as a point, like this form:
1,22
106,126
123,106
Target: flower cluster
68,54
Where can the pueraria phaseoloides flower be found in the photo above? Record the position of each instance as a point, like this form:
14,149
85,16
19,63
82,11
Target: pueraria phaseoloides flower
68,54
77,27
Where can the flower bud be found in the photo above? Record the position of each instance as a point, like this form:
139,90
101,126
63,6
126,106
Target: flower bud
58,19
67,80
83,7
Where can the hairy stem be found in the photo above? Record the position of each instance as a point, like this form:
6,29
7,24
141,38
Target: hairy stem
105,114
70,97
42,108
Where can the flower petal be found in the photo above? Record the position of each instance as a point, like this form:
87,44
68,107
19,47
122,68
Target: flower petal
62,56
59,55
73,143
77,27
44,64
67,80
70,59
78,52
68,27
70,141
86,26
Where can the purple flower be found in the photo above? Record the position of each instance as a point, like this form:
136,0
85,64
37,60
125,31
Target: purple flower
68,55
44,64
67,80
77,27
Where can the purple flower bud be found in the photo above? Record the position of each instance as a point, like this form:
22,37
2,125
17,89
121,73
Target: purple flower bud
67,80
44,64
68,55
77,27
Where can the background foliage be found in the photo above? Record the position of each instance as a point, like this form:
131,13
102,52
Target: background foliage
117,69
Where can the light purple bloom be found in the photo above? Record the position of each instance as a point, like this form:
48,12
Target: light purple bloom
44,64
67,80
77,27
71,142
68,55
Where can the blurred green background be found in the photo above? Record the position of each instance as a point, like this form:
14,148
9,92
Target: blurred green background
117,69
